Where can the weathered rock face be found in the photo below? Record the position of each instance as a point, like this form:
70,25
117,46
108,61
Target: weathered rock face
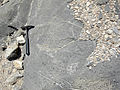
15,13
58,58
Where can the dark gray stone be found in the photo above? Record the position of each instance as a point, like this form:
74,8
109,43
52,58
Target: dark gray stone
102,2
15,12
1,1
58,59
68,1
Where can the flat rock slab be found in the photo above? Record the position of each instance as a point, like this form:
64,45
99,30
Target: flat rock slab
58,59
15,13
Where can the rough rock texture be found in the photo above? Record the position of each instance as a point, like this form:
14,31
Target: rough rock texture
13,78
15,12
58,58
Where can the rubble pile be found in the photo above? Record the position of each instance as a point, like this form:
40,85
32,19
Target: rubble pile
101,24
11,62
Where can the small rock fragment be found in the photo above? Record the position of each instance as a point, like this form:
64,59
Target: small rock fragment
90,64
4,1
12,47
100,16
102,2
20,40
113,52
107,8
109,31
12,79
88,4
12,52
4,46
116,31
116,40
15,87
106,36
18,64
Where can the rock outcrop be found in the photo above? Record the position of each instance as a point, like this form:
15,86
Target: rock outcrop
57,59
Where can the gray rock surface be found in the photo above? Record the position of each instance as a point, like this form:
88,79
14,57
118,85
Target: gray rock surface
15,13
58,59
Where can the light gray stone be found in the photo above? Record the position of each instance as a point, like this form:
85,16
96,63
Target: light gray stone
116,31
12,79
107,8
11,48
58,58
100,16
